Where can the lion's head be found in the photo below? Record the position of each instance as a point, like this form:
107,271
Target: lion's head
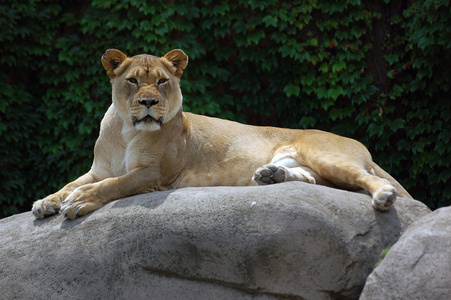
146,91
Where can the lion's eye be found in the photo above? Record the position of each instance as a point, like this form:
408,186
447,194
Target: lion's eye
132,80
162,80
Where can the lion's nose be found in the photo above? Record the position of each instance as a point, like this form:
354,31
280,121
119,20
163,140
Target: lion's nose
148,102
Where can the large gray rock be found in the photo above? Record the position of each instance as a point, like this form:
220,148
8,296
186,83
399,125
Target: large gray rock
292,240
418,266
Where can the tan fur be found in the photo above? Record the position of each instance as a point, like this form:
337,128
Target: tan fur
147,143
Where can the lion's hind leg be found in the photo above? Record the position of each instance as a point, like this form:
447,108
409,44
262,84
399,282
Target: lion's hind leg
353,175
283,167
272,173
382,191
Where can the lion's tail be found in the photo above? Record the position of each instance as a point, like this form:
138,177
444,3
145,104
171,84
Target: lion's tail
381,173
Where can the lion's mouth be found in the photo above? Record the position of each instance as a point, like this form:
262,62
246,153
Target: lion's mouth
147,120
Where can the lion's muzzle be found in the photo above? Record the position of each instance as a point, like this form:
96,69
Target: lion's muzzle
148,102
147,120
148,112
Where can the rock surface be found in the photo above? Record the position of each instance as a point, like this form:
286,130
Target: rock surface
293,240
418,266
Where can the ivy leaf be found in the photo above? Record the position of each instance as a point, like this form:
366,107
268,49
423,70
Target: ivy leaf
337,67
424,42
292,90
334,93
270,21
255,36
397,124
321,92
335,113
324,68
308,79
397,90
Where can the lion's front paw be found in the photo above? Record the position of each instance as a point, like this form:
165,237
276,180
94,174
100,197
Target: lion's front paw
80,202
48,206
268,174
384,197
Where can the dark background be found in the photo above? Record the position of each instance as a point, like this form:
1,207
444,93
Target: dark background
376,71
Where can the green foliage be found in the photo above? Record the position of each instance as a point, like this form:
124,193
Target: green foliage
383,254
373,71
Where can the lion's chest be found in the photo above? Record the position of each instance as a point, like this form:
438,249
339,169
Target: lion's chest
118,159
124,155
164,158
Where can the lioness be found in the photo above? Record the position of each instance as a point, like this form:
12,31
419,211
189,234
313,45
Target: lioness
147,143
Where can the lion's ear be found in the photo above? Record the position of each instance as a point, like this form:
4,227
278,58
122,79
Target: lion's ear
111,59
179,60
